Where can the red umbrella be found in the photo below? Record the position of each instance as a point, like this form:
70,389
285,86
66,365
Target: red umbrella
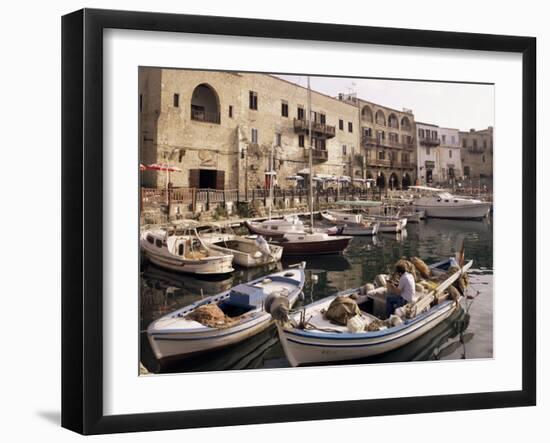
163,167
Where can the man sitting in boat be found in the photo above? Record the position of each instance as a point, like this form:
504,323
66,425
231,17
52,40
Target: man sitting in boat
403,293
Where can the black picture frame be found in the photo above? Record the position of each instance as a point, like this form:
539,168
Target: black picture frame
82,218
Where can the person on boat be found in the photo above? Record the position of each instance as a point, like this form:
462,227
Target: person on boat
403,293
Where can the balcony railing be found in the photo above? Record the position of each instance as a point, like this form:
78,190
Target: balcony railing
476,150
379,162
319,130
317,155
429,141
374,141
203,116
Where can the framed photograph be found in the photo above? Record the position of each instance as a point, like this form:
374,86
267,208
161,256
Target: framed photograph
255,210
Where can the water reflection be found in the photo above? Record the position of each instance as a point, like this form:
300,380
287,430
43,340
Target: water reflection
467,334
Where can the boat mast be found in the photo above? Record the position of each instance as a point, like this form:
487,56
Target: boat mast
310,157
270,180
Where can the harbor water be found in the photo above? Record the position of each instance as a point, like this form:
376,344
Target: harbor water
468,334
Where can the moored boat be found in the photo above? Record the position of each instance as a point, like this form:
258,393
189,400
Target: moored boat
184,253
246,252
224,319
439,203
340,218
388,223
316,243
308,337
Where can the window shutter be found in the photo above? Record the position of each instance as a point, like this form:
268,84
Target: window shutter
220,179
194,178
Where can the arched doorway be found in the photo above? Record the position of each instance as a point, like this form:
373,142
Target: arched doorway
406,181
394,181
205,105
366,114
381,180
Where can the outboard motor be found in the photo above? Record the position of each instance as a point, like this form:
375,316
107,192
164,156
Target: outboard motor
278,306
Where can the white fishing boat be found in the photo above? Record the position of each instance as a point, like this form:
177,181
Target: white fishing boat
340,218
355,228
247,252
388,223
195,329
315,243
439,203
307,337
184,253
276,228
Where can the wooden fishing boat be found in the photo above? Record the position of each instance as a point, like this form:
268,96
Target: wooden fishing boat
247,252
356,225
180,334
308,338
316,243
184,253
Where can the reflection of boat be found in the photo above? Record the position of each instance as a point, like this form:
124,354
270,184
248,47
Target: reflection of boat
313,244
308,337
442,204
224,319
388,223
246,252
337,263
184,253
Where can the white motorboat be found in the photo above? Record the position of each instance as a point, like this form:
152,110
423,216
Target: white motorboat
341,218
188,331
307,337
247,252
439,203
354,227
276,228
184,253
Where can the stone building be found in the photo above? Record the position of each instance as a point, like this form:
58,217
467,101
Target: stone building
235,130
427,153
449,153
389,144
477,153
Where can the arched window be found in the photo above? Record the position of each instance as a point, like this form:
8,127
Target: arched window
380,118
393,122
205,105
366,114
406,124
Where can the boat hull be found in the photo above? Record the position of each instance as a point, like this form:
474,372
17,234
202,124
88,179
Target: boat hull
357,230
303,349
209,266
247,260
332,246
467,211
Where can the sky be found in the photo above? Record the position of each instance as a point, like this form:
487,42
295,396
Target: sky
451,105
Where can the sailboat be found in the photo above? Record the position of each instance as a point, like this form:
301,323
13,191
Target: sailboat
312,242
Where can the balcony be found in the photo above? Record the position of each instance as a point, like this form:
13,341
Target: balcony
203,116
429,141
476,150
379,163
317,155
319,130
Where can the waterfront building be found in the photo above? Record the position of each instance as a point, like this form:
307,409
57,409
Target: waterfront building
449,156
428,140
229,130
477,153
388,141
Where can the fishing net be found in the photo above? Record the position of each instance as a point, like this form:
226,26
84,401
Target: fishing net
421,267
210,315
341,309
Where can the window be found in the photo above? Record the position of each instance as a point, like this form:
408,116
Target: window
344,150
254,135
367,132
180,249
427,151
341,124
443,138
141,103
467,171
453,139
350,127
278,139
405,157
483,158
421,133
434,134
450,153
158,242
300,113
484,144
284,109
381,155
253,100
474,143
230,111
322,119
150,239
394,137
463,142
301,141
176,100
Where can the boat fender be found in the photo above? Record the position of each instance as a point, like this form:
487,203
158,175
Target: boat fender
278,306
356,324
395,320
